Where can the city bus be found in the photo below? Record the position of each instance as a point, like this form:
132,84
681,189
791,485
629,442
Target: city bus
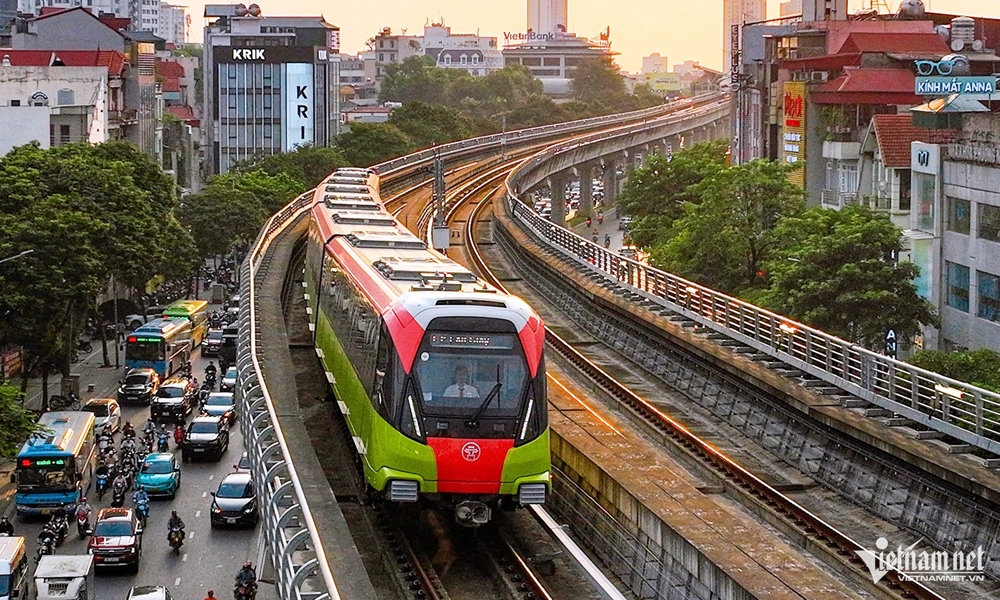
163,345
55,466
195,311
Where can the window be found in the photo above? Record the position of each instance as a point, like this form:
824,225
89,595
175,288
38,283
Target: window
989,222
64,134
904,190
381,57
923,191
959,215
15,103
475,59
464,59
989,296
958,286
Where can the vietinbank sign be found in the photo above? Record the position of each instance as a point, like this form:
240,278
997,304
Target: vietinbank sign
531,36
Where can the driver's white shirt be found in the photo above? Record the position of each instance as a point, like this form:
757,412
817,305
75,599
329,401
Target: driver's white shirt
461,391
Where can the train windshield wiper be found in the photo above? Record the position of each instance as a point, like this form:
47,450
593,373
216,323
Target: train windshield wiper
474,421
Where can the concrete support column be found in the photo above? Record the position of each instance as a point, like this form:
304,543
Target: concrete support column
586,173
557,190
610,182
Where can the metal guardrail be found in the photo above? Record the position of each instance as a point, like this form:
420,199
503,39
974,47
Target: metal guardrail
955,408
290,534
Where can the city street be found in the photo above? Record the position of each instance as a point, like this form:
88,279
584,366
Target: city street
209,558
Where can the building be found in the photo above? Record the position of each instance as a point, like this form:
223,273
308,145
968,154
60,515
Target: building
271,84
552,61
548,16
8,11
734,14
654,63
173,24
58,98
475,54
790,7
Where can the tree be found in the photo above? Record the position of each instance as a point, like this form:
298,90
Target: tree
368,144
723,240
417,79
598,82
429,125
309,165
981,367
16,423
655,193
838,271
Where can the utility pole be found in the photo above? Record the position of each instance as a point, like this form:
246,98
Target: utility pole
114,295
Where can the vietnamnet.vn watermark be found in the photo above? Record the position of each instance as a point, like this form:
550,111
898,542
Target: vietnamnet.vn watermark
921,565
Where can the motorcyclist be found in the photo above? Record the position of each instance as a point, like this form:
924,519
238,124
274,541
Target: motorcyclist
128,430
247,577
175,523
179,432
607,240
210,370
140,497
128,445
106,439
120,483
6,527
84,507
211,595
150,427
600,217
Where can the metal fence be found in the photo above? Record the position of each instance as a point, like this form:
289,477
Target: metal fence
954,408
291,538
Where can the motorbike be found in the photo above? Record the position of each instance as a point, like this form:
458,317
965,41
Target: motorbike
85,346
600,218
83,523
59,527
142,509
176,539
245,592
118,497
210,380
162,444
70,402
101,485
46,544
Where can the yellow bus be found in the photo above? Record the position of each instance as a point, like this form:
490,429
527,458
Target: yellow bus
195,311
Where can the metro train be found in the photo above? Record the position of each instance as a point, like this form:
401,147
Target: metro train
440,376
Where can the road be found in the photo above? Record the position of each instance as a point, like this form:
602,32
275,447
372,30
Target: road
209,558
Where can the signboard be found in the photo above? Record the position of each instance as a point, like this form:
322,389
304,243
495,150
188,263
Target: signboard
267,55
945,86
11,363
664,82
299,93
793,128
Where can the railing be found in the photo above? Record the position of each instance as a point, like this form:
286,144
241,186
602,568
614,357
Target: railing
987,153
289,532
957,409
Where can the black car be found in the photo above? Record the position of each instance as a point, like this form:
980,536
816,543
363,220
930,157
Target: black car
213,343
206,436
220,404
235,501
174,401
138,386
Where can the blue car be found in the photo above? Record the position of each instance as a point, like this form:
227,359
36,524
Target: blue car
160,475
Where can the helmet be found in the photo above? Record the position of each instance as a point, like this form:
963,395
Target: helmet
248,565
173,513
211,594
84,499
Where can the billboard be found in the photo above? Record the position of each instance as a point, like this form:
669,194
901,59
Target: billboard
299,92
664,82
793,128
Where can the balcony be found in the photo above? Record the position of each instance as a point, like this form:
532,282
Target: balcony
841,150
837,199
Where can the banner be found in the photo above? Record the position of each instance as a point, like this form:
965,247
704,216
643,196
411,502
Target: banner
299,95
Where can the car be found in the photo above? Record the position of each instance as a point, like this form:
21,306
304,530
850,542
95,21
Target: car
624,222
228,383
174,401
220,404
136,321
212,343
148,592
159,474
139,386
629,252
107,414
243,466
206,436
117,539
235,502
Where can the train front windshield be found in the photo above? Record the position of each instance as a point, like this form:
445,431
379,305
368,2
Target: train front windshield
461,372
40,475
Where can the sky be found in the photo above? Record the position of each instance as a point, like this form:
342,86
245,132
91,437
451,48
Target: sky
678,29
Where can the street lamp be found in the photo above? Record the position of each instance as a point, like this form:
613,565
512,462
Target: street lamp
25,253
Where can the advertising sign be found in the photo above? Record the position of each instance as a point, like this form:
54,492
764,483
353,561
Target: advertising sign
298,91
793,128
945,86
663,82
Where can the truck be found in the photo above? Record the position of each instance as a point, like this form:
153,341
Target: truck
13,568
65,577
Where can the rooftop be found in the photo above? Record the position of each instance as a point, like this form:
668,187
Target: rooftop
113,60
895,133
862,85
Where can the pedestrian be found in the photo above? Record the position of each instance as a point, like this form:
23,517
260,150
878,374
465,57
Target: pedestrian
120,329
211,595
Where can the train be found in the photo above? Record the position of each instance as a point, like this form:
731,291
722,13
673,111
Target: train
439,375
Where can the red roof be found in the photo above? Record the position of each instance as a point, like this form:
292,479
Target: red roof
50,10
115,61
894,134
169,68
883,42
184,113
827,61
170,84
860,85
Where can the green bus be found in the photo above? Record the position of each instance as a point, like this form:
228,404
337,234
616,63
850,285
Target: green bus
195,311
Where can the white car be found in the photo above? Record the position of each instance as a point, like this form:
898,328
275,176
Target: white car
107,414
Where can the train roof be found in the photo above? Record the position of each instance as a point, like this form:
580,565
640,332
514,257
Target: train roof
390,263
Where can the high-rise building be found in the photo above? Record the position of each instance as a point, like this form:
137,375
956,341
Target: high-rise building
548,16
790,7
734,14
173,23
654,63
270,83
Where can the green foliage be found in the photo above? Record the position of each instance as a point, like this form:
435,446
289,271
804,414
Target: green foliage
598,82
416,79
655,193
978,367
723,240
368,144
308,165
429,125
837,271
16,424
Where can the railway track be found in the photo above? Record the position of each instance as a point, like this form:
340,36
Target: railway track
839,546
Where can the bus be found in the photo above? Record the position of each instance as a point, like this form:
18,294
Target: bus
55,466
163,345
195,311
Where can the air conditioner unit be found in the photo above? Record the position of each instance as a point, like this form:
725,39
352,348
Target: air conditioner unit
818,76
800,76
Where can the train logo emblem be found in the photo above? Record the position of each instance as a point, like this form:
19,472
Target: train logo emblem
471,451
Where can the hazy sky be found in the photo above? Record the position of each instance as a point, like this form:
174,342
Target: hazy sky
679,29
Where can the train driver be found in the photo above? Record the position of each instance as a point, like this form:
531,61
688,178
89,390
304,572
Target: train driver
461,388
